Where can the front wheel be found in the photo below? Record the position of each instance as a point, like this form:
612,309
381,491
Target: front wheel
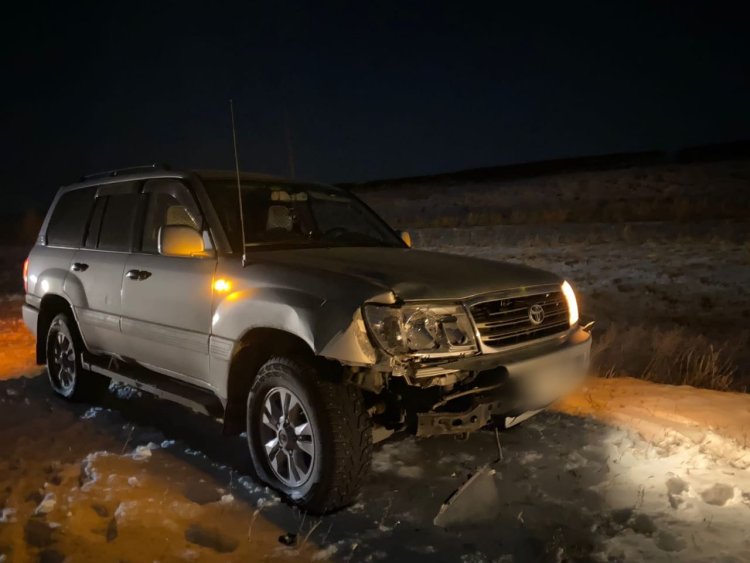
309,438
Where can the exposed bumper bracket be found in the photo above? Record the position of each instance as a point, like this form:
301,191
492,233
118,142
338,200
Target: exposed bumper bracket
439,423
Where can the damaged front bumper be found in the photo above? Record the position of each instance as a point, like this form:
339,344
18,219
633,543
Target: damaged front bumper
527,381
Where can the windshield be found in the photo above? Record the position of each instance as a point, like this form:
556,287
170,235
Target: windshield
296,216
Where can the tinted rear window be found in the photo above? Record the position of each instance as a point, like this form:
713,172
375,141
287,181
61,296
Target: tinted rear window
69,218
116,230
95,225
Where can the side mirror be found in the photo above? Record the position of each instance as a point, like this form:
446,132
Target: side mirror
180,240
406,237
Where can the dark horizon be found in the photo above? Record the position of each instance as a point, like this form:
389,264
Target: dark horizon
364,92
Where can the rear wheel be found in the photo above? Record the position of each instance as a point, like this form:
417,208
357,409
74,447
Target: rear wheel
309,438
64,370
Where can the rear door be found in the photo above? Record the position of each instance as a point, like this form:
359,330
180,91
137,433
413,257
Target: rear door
166,300
97,269
51,258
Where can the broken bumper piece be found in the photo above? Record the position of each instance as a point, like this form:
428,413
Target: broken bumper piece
531,384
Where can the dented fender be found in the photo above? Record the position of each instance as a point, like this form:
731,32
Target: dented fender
250,308
317,307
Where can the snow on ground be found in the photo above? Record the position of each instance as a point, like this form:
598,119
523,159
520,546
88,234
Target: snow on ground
687,453
718,421
141,479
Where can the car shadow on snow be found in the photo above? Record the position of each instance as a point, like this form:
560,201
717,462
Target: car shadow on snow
548,507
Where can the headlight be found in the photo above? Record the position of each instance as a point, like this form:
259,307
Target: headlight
421,329
570,297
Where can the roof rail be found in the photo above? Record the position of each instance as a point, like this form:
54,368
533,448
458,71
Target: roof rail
120,171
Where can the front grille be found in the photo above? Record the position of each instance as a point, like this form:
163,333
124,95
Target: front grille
502,322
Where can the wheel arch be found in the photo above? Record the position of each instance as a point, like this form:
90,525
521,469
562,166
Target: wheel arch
254,349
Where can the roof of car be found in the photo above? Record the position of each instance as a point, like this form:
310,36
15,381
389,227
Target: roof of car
152,172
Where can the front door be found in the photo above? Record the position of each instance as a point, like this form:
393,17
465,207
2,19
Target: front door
166,300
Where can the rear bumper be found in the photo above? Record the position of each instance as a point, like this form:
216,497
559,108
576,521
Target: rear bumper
530,384
30,318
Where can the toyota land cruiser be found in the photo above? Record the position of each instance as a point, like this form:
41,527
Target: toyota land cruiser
292,312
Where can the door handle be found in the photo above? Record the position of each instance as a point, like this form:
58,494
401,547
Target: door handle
137,275
79,267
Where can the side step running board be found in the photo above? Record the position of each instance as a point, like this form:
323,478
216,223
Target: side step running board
162,386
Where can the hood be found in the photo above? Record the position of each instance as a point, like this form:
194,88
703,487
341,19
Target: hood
416,274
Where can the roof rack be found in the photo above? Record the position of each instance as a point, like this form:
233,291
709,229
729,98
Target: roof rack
120,171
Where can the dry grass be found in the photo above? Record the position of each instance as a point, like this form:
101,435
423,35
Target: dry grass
673,355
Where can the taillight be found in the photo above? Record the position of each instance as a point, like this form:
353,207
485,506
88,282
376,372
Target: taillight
25,275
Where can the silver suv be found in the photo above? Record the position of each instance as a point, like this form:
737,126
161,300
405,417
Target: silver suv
292,312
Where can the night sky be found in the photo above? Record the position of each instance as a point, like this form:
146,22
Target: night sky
368,91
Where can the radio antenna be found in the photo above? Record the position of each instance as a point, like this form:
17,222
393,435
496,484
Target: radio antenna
239,187
289,145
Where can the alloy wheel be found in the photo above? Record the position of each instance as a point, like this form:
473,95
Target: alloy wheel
287,437
62,360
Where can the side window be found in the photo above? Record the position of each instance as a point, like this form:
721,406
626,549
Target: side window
163,209
68,221
118,218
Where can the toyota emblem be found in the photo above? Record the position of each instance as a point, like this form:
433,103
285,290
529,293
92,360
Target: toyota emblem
536,314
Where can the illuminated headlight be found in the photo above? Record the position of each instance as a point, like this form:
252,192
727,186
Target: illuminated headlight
440,330
570,297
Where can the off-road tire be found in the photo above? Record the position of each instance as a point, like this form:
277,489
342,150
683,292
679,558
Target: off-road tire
86,386
342,433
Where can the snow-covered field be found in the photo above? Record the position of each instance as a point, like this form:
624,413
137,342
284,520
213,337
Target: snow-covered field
679,192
